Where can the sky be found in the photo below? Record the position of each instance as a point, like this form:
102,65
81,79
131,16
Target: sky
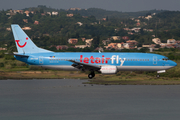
115,5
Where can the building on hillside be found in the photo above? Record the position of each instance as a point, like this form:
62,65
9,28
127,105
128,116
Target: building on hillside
80,23
89,42
137,20
43,14
115,45
171,41
18,11
72,41
178,41
70,15
49,13
27,13
148,17
8,29
83,39
127,29
81,46
26,28
148,30
104,19
25,20
36,22
137,29
105,42
130,33
149,46
146,46
116,38
126,45
138,24
54,13
132,42
156,41
3,48
125,38
62,47
119,45
112,45
163,45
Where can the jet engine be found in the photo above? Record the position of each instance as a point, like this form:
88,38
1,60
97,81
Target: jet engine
108,69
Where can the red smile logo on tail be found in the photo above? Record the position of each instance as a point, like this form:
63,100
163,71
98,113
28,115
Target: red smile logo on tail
21,46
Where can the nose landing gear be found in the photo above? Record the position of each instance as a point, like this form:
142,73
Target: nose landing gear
91,75
157,75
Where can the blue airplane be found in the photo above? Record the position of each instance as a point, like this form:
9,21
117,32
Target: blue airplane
105,63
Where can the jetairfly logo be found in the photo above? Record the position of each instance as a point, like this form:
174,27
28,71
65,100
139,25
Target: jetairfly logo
115,59
21,46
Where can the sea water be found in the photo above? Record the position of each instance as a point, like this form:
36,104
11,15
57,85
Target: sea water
69,99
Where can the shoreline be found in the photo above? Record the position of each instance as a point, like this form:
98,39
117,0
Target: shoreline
139,79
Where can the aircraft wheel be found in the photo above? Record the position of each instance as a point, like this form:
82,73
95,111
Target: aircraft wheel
90,76
158,76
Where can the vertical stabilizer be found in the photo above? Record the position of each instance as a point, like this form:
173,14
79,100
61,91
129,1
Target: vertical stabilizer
23,43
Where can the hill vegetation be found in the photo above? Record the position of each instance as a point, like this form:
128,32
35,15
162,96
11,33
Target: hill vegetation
57,29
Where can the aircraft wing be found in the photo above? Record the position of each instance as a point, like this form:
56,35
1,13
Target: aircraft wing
85,66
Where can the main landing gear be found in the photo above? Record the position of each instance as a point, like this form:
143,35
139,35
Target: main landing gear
91,75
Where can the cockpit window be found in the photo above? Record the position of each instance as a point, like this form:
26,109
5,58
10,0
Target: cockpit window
165,59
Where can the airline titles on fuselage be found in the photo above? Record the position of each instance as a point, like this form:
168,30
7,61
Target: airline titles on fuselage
115,59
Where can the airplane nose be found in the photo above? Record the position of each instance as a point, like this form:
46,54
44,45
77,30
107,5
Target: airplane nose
173,63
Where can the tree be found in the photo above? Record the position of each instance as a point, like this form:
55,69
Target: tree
95,42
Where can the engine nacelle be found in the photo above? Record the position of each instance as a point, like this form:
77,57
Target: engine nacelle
108,69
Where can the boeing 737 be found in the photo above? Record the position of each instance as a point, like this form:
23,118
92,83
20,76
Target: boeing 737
105,63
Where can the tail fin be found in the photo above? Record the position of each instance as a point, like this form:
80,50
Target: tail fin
23,43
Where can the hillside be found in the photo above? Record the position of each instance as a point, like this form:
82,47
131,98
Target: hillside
97,12
50,30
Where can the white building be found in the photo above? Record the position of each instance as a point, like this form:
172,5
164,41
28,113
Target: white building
171,41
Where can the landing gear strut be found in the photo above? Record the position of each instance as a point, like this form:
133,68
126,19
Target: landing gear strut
91,75
157,75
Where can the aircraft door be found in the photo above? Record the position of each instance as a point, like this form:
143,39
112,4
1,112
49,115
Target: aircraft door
154,60
41,60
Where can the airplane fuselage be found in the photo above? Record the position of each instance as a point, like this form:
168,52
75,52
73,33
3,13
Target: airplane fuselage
123,61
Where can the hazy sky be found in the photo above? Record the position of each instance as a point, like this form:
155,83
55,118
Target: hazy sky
118,5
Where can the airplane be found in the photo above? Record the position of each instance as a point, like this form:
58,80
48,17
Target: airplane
105,62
